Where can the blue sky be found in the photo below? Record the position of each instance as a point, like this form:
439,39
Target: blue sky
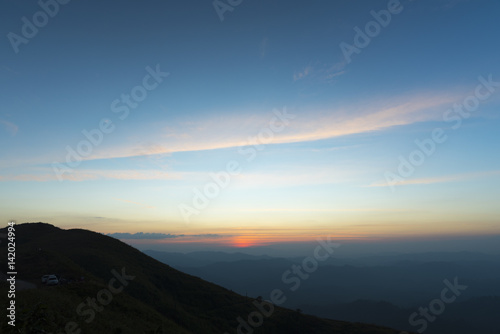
324,171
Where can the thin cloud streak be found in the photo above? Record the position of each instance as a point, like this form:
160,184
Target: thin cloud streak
306,127
85,175
10,127
318,176
227,133
247,180
441,179
159,236
321,73
312,210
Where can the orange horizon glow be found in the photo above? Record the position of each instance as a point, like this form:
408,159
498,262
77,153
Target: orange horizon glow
243,242
249,239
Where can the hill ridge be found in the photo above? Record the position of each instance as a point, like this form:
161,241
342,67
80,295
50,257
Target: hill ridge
159,299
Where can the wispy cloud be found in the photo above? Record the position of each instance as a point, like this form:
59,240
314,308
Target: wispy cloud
76,175
234,131
321,73
141,235
291,177
440,179
335,70
312,210
373,118
303,73
295,177
159,236
264,45
9,127
309,125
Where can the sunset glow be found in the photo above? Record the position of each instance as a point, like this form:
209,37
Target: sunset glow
253,132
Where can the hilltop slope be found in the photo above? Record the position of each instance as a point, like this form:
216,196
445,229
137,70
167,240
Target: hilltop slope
126,291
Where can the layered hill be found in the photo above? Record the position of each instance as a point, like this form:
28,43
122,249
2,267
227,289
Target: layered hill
111,287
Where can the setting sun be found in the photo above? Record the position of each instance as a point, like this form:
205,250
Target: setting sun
243,241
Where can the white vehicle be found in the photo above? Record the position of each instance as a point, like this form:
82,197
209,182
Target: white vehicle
52,280
45,278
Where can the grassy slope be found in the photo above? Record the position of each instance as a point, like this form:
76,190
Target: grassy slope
158,297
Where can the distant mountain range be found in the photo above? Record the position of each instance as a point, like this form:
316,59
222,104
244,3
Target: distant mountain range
199,259
113,288
383,290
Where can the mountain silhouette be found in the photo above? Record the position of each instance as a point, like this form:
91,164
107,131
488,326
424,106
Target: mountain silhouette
111,287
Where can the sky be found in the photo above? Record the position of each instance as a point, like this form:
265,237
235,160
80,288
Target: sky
255,123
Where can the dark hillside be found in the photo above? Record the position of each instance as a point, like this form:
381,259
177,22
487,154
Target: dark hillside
159,299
